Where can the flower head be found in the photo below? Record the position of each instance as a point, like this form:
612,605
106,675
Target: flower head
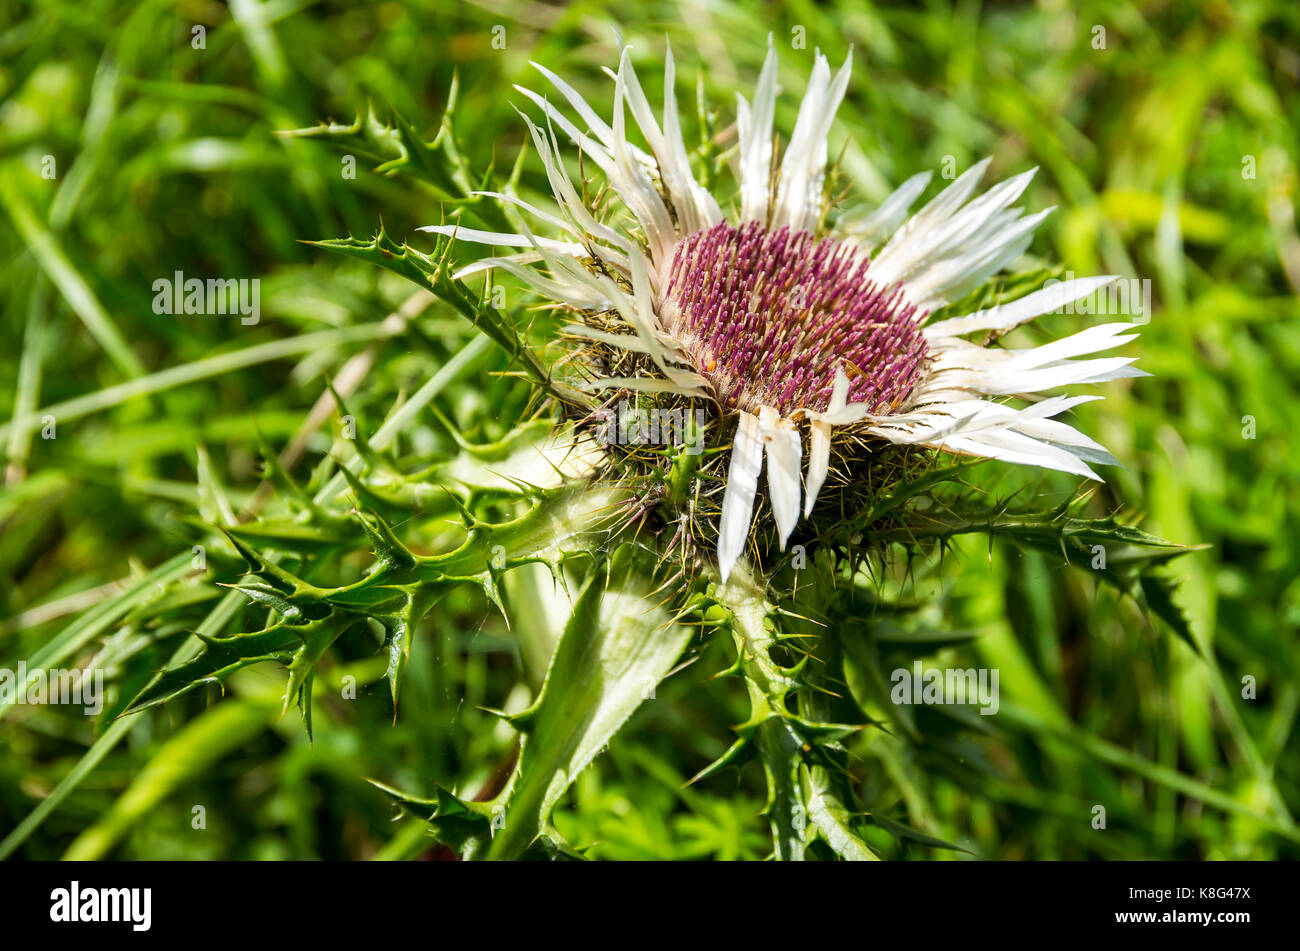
793,330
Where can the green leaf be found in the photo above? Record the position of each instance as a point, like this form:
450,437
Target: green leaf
615,650
779,748
188,753
98,619
831,817
900,831
216,619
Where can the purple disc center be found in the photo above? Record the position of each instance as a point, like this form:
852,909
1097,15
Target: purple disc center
770,315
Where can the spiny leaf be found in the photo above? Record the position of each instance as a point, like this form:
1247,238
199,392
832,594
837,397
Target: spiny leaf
460,824
901,831
435,274
381,250
220,658
1158,595
396,147
737,754
316,640
391,552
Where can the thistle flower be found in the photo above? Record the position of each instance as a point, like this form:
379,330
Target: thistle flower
796,331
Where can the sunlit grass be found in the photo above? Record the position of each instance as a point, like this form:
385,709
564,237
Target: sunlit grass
1170,153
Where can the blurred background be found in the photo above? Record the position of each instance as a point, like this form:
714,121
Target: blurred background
140,139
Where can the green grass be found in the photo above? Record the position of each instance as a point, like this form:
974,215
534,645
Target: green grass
1170,154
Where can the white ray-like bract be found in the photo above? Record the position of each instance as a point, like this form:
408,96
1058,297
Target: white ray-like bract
778,321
